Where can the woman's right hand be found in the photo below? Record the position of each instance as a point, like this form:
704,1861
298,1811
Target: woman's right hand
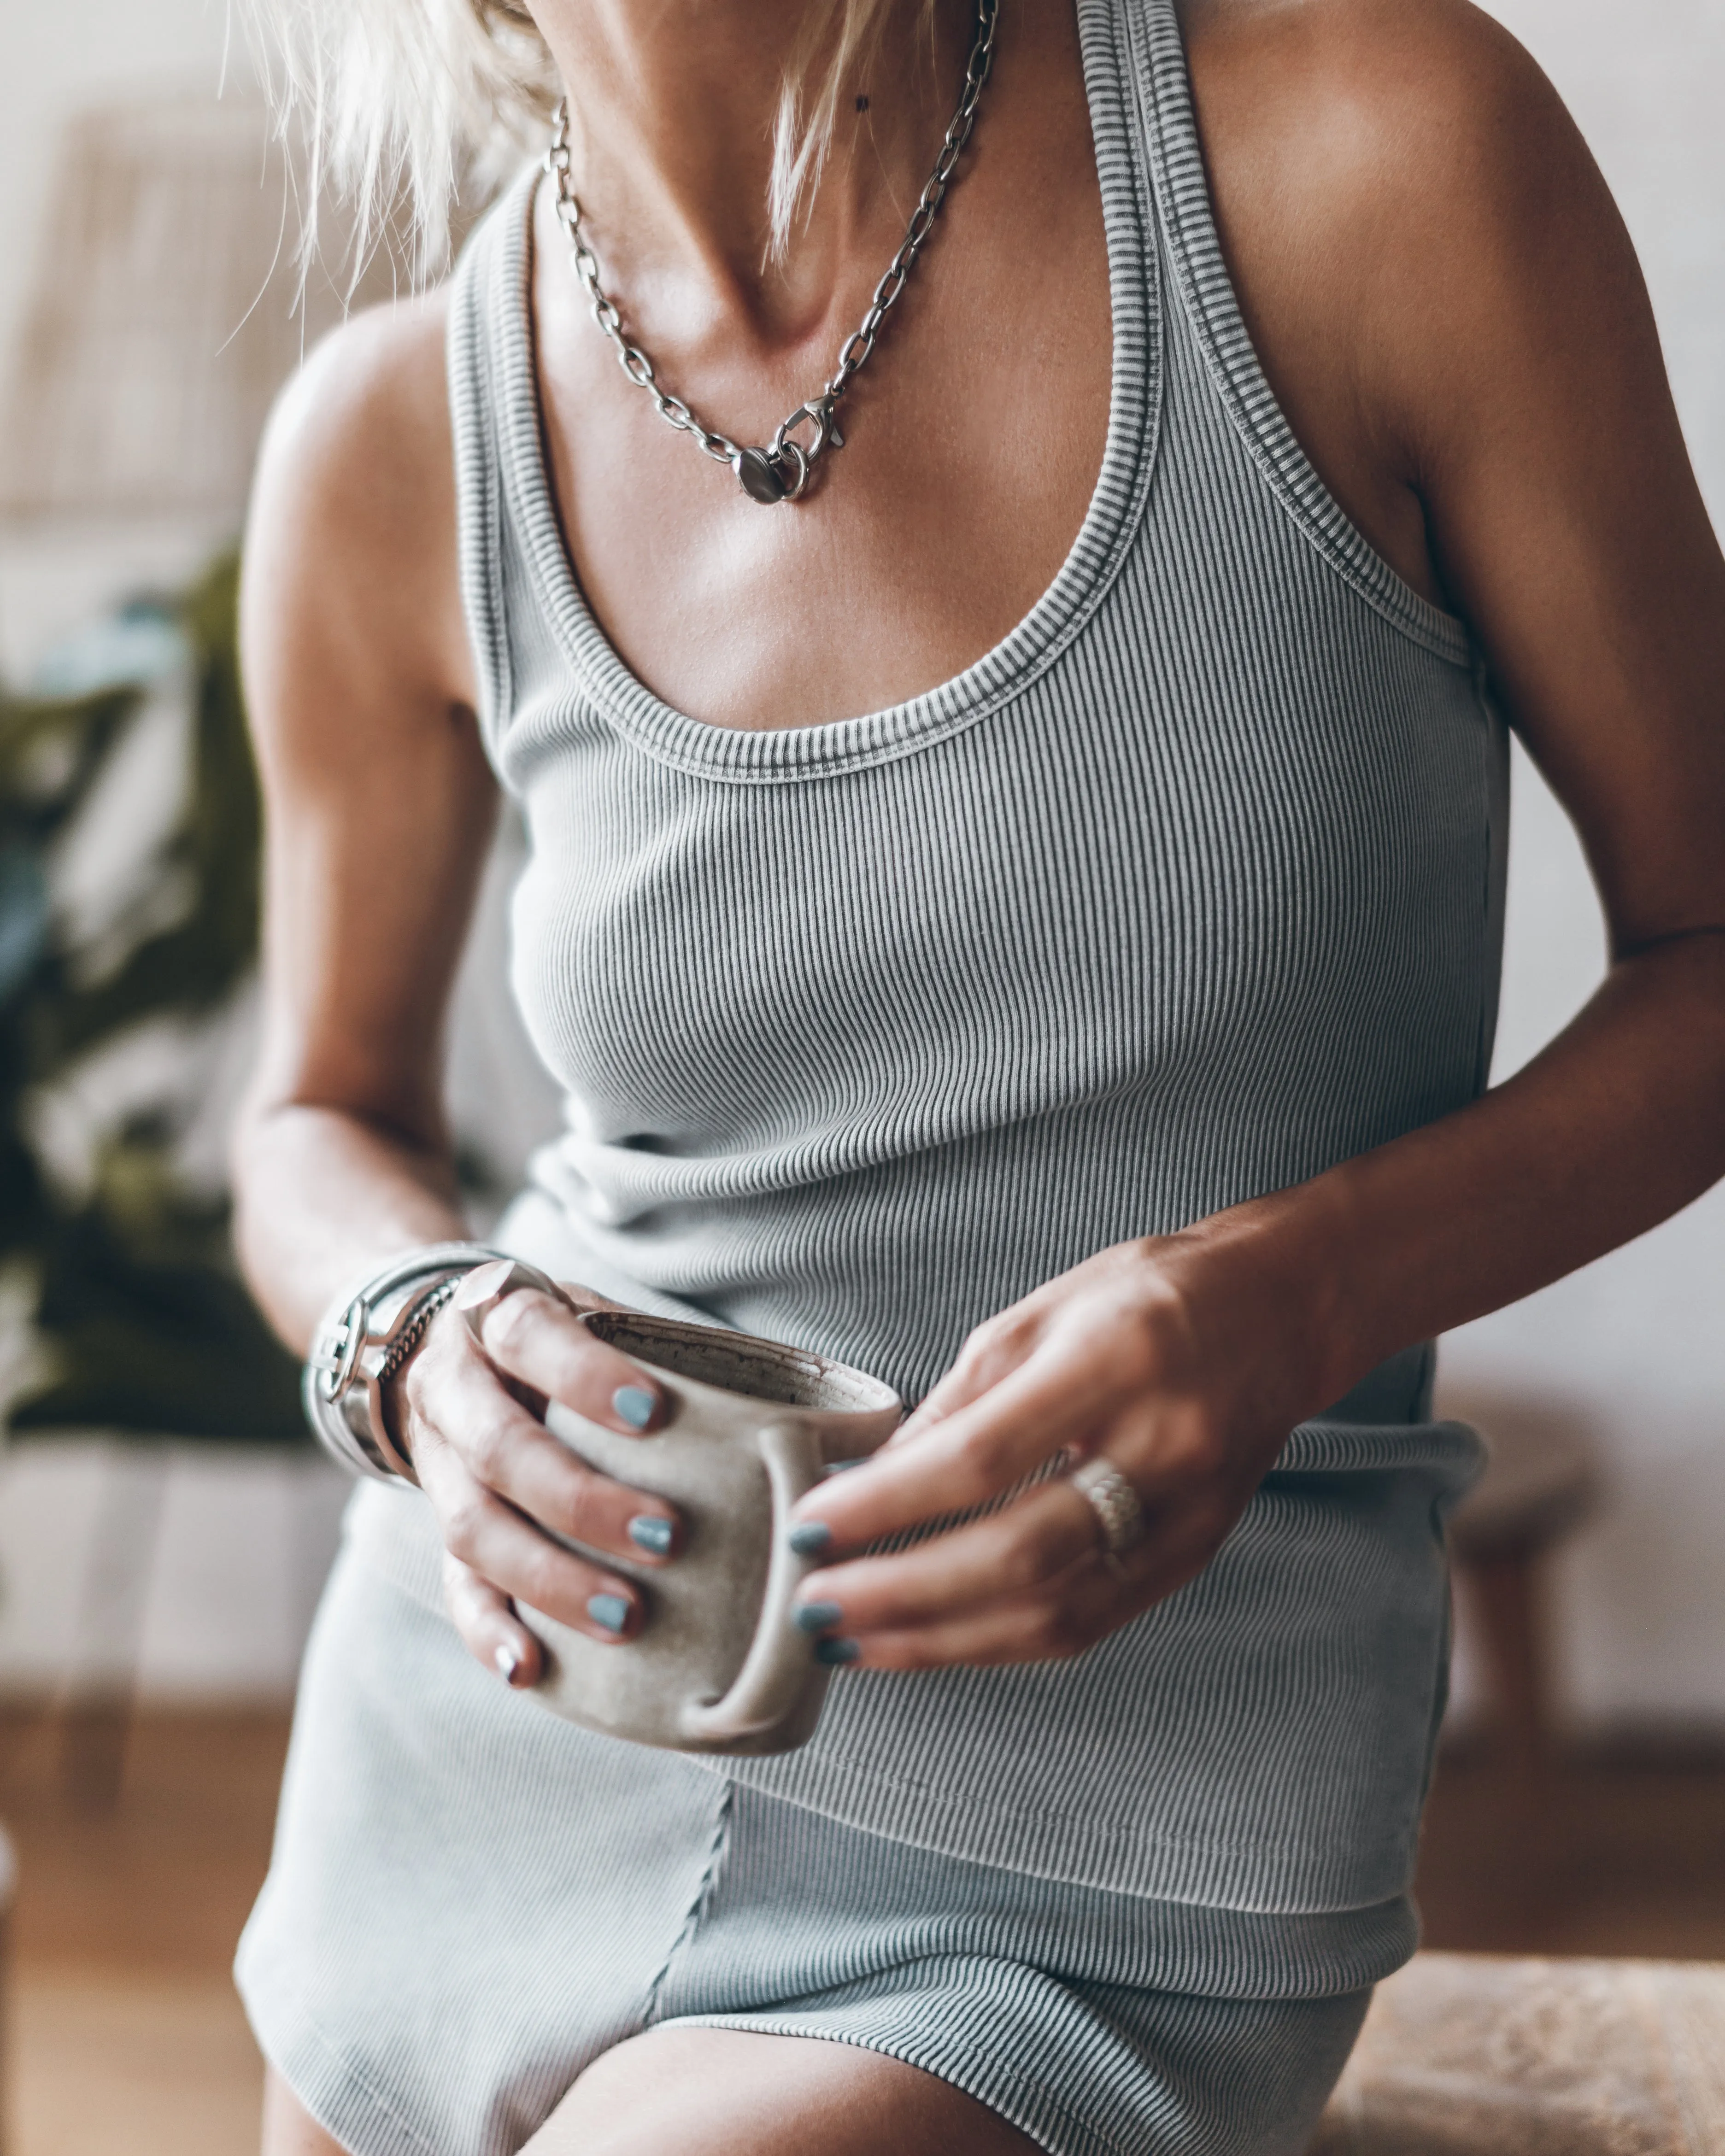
470,1418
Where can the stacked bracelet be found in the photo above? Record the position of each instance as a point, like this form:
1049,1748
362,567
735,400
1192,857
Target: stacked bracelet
365,1339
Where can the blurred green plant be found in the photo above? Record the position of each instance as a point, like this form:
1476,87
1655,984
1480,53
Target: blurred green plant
142,1322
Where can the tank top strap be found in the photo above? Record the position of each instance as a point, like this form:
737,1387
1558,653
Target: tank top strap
1208,312
486,301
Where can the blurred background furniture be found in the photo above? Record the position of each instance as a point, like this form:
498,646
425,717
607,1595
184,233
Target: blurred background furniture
160,314
1467,2055
162,318
1544,1483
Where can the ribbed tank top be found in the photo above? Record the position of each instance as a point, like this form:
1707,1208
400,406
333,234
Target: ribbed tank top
1188,890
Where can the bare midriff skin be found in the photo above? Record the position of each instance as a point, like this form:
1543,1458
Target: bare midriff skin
1448,310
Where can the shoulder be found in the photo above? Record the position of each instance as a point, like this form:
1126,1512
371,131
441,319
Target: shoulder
353,527
1398,180
358,445
1363,88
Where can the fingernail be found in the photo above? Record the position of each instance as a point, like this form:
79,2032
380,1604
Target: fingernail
835,1653
650,1532
610,1610
810,1538
634,1405
508,1661
844,1467
817,1616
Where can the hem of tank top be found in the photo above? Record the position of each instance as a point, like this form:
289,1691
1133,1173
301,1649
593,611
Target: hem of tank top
1084,1848
396,1539
1316,1924
782,756
1187,217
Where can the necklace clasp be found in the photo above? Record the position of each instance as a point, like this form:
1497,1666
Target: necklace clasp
817,413
779,471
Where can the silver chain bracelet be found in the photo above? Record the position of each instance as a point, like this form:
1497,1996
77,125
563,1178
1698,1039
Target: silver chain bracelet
365,1339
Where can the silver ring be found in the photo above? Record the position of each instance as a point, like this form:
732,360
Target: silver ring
486,1285
1119,1512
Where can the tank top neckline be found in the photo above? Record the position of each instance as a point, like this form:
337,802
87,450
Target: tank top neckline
1157,216
702,749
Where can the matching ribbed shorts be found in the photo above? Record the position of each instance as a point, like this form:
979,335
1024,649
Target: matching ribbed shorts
470,1900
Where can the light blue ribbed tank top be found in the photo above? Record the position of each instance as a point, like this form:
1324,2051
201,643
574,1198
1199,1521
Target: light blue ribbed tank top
1188,890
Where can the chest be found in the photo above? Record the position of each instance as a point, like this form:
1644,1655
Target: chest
1145,869
972,442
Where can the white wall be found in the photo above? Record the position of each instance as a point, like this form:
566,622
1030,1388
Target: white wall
1637,1341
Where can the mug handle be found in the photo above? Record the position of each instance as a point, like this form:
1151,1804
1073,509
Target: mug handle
778,1663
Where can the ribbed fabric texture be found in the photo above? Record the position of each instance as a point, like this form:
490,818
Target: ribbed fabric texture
1187,891
470,1901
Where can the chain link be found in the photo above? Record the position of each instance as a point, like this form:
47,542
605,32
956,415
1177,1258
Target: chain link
780,470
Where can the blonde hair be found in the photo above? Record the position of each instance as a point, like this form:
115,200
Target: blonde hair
408,107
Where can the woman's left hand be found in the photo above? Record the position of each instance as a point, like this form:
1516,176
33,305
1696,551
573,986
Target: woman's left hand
1187,1393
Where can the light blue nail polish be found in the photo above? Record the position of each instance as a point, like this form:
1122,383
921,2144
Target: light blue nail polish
836,1653
817,1616
650,1532
844,1467
634,1405
610,1610
810,1538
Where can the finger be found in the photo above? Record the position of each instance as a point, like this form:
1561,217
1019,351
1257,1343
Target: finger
1060,1396
1003,1344
489,1627
455,1400
492,1539
542,1344
587,1298
1071,1613
990,1353
1067,1614
1012,1553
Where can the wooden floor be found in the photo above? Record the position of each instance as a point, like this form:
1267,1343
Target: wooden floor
126,2035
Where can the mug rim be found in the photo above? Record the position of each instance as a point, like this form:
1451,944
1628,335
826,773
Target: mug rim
829,1388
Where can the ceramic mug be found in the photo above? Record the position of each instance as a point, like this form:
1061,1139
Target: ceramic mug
719,1665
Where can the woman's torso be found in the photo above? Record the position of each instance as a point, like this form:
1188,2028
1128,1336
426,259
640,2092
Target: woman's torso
1187,890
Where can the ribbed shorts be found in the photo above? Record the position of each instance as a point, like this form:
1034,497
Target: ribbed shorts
470,1900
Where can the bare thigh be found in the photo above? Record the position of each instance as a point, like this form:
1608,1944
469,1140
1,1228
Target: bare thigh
722,2092
727,2092
289,2128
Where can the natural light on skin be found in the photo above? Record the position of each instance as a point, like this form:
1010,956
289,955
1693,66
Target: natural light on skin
1446,308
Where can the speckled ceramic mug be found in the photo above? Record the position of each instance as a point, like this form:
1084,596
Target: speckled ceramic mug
719,1664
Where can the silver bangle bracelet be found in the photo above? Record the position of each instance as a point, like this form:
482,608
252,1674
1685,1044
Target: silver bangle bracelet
362,1341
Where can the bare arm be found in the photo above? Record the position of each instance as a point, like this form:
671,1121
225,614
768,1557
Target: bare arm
1512,402
1449,308
379,808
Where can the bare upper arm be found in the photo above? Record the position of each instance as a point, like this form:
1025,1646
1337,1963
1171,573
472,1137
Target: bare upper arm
378,800
1450,309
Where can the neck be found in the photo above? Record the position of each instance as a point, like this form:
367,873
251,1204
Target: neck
673,110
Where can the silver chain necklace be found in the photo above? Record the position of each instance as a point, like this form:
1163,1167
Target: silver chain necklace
780,470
